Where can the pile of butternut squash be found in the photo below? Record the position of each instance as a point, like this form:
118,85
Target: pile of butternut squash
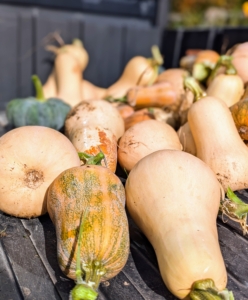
180,137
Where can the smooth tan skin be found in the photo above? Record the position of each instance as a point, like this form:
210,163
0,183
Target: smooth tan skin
50,87
144,138
69,77
218,143
228,88
138,71
95,112
63,82
240,59
176,77
91,91
31,157
186,139
174,198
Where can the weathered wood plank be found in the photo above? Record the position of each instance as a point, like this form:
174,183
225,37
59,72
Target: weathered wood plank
9,289
31,275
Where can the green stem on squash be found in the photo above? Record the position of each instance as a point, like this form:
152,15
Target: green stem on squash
156,61
194,87
224,61
234,208
78,43
91,159
85,289
201,71
38,88
121,99
206,290
156,55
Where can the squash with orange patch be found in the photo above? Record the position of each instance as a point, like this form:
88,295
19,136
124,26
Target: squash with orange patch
91,198
92,139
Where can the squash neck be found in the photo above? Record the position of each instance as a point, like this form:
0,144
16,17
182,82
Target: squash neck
38,88
155,62
206,289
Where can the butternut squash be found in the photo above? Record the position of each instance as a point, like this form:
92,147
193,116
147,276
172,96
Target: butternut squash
228,87
175,76
91,91
151,113
186,139
218,143
144,138
204,63
160,94
90,199
176,205
138,71
80,55
94,112
125,110
31,157
92,139
239,113
69,77
240,59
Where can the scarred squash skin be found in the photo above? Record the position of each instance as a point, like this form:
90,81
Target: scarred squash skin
92,139
96,195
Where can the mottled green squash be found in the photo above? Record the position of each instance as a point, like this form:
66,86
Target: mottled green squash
90,199
37,110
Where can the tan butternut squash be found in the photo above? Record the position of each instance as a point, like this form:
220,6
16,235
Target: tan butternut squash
229,86
186,139
97,113
144,138
151,113
91,91
138,71
161,94
31,157
176,205
239,113
92,139
218,143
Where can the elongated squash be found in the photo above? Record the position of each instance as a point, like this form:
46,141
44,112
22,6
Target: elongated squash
91,197
175,205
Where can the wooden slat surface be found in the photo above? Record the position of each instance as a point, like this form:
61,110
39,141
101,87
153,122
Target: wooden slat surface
31,248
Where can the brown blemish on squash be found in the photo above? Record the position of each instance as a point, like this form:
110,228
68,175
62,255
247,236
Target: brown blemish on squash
33,178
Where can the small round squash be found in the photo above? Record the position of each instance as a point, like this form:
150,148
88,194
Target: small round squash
144,138
31,157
